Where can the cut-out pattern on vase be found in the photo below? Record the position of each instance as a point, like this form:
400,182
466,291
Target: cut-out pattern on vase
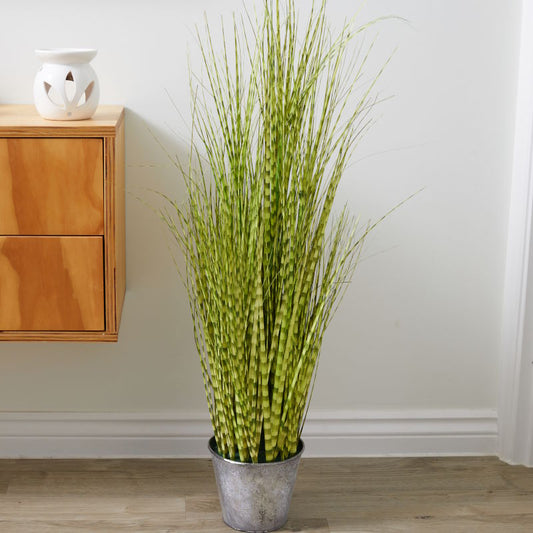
66,86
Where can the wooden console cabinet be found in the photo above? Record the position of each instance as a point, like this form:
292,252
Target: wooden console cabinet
62,227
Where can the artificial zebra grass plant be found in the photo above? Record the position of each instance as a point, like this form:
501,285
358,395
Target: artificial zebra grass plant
267,257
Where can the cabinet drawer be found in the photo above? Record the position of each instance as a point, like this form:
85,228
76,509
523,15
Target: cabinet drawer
51,186
51,284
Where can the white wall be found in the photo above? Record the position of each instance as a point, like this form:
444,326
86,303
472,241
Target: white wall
420,325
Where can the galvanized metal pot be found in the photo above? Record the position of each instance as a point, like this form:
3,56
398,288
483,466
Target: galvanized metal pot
255,497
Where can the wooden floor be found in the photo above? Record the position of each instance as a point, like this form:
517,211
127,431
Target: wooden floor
450,495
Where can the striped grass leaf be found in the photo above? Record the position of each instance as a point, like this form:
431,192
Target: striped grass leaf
276,117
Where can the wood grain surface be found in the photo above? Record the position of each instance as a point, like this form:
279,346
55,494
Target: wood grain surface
16,120
411,495
51,283
120,222
67,336
110,243
62,180
51,187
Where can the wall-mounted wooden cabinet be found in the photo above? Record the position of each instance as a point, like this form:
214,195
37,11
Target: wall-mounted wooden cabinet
62,227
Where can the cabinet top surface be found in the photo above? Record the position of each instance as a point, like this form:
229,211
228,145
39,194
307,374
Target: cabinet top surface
23,120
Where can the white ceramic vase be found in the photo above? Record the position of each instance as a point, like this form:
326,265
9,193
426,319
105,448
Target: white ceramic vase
66,86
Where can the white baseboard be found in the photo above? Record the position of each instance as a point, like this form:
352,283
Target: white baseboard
183,435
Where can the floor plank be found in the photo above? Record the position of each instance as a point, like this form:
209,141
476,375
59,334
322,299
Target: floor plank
424,524
441,495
